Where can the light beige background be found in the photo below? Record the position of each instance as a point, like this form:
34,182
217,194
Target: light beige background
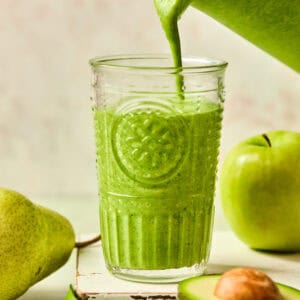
46,134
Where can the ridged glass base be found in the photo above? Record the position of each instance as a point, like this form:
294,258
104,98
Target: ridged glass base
158,276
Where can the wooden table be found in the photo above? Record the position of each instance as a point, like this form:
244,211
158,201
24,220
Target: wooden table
92,278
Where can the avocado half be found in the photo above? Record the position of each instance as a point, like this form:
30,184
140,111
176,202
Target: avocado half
202,288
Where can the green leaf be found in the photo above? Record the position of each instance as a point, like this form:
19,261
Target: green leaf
71,295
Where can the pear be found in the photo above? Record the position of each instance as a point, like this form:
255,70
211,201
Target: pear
34,242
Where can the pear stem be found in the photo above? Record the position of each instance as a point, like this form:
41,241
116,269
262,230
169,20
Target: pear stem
267,139
86,243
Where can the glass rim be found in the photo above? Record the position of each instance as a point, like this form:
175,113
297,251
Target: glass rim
196,63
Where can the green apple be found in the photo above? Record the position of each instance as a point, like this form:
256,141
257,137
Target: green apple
260,191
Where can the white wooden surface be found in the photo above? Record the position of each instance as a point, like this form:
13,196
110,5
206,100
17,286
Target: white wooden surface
92,278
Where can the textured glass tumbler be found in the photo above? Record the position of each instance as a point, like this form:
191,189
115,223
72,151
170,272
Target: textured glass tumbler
157,133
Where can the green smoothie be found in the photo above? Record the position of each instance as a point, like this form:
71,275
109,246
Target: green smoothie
156,169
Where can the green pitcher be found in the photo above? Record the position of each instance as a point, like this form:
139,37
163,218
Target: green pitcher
272,25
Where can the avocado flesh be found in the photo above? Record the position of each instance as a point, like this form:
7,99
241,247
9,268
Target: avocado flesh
202,288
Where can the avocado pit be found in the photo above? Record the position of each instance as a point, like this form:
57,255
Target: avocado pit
246,284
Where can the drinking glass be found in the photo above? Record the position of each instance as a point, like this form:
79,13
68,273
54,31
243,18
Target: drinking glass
157,133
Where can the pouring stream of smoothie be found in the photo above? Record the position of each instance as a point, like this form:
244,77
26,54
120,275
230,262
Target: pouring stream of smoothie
169,12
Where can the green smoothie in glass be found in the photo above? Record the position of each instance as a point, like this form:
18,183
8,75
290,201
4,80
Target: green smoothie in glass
157,129
156,176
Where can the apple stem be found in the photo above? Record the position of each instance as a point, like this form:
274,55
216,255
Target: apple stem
86,243
267,139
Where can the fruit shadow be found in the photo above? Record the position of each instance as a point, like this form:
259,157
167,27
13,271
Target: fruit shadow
214,268
43,294
291,256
